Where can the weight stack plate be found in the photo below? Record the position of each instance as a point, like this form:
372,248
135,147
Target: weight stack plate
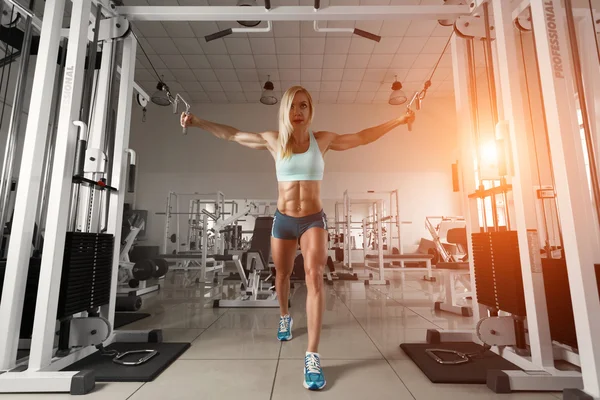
558,299
86,275
507,267
483,261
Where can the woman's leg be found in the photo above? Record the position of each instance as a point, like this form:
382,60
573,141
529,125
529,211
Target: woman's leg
314,249
284,253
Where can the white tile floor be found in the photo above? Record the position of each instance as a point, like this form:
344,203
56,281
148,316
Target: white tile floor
235,353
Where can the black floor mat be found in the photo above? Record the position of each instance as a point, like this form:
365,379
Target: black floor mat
107,371
473,372
125,318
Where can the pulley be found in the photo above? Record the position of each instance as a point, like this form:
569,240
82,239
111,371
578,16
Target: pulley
9,18
497,331
468,27
88,331
450,22
110,28
523,21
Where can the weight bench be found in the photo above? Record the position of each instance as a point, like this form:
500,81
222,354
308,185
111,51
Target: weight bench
453,274
252,292
414,257
195,261
128,283
331,275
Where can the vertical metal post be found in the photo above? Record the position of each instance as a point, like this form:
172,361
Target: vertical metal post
119,170
178,217
15,123
487,48
60,190
583,107
572,192
522,187
337,223
378,211
11,304
365,222
591,76
190,230
88,83
349,229
204,245
399,224
49,153
89,197
77,206
467,140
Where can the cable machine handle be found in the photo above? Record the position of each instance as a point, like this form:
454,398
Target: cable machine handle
175,103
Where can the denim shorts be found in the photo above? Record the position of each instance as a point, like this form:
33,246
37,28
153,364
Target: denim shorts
290,228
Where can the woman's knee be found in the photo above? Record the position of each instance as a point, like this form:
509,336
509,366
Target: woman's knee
283,273
314,274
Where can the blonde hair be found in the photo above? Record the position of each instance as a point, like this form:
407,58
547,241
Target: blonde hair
286,139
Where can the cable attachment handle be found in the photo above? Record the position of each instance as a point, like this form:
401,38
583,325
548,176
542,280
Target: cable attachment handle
175,101
416,99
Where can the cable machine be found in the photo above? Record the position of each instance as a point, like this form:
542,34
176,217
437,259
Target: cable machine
536,300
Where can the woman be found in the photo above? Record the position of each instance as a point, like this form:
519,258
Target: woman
298,154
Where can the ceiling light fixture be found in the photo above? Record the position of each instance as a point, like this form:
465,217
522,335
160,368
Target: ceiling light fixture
162,97
268,97
397,97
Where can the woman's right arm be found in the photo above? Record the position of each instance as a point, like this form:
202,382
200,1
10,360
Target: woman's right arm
257,141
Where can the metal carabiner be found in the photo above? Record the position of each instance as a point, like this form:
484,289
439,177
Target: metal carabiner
463,358
150,354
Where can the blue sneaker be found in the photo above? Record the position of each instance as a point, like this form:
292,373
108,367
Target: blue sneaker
313,373
285,328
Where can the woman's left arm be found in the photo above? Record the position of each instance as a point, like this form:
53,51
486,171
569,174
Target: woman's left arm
366,136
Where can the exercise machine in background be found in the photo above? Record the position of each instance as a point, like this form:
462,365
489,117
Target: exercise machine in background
142,276
535,280
67,329
254,290
438,228
213,229
377,218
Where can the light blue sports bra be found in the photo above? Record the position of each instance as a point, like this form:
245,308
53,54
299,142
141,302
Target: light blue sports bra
307,166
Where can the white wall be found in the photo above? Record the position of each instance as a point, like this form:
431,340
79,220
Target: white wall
418,163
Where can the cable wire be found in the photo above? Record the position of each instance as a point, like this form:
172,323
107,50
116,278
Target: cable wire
476,125
146,54
442,55
548,151
6,54
594,28
537,158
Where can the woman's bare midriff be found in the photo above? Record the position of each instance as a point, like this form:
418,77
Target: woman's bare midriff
299,198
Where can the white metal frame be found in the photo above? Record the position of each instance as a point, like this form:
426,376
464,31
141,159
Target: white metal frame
43,373
56,222
457,289
572,192
291,13
173,200
19,249
378,218
126,266
572,195
253,295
